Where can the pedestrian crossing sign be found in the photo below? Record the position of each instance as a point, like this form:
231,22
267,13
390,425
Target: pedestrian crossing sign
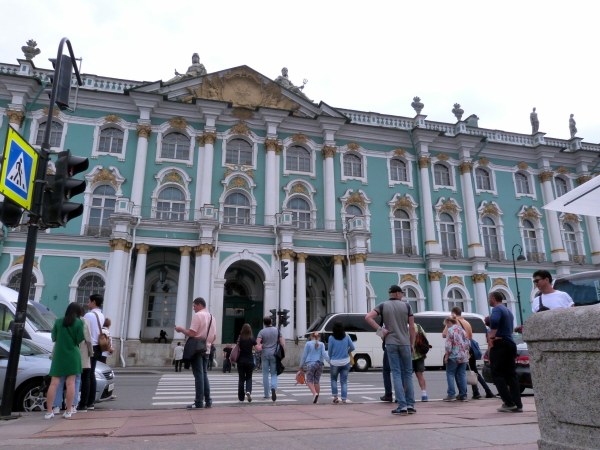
19,164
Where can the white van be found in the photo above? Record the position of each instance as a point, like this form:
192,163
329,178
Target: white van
37,327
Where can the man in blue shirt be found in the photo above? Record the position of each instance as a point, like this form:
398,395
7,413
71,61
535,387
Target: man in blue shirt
503,352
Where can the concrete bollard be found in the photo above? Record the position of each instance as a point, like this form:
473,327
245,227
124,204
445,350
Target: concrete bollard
564,352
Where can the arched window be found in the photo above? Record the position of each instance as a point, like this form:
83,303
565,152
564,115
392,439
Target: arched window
162,302
56,131
300,212
101,207
570,240
352,166
490,239
14,283
448,235
88,285
411,298
398,170
403,233
353,210
442,175
237,209
455,298
483,179
111,140
171,204
298,159
530,239
175,146
561,186
522,183
239,152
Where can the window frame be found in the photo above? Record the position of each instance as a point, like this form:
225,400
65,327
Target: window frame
250,216
568,185
162,183
580,256
530,180
122,126
311,157
311,218
91,207
156,211
363,161
451,167
466,297
164,130
39,285
36,128
253,148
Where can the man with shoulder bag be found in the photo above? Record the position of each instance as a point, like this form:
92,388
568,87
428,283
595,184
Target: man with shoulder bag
100,343
202,334
549,298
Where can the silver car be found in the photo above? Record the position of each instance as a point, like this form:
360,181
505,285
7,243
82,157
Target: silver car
34,365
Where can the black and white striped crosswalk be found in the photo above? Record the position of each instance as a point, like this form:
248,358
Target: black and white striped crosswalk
177,389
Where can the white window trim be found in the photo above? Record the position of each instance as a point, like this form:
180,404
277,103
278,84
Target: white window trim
579,233
77,278
497,220
90,187
101,124
160,186
565,178
531,177
413,217
165,129
457,221
252,139
467,300
309,198
38,118
39,285
312,150
420,299
365,208
409,168
451,165
249,193
539,229
492,173
361,153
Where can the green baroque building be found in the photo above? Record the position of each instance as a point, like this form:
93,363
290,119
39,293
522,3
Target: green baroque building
204,184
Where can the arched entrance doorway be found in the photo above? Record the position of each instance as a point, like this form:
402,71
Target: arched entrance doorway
243,297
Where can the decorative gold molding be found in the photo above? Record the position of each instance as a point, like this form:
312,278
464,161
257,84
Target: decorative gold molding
449,206
531,214
491,210
111,118
409,277
271,145
178,123
483,161
435,276
583,179
55,113
204,249
562,170
545,176
105,175
477,244
328,151
249,173
227,172
15,117
240,128
355,198
201,141
595,253
142,249
352,260
210,137
143,131
403,202
299,138
570,217
119,244
456,280
339,259
299,188
353,146
287,253
479,277
465,167
360,258
186,250
92,263
424,162
442,157
523,165
430,242
238,182
558,250
399,151
242,113
173,177
20,260
301,257
500,282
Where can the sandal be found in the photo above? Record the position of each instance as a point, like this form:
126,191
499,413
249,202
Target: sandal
336,400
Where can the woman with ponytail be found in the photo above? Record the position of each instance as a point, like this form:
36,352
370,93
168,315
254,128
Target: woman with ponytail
314,355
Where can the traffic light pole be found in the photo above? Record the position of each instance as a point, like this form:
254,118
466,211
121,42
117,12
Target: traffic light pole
34,219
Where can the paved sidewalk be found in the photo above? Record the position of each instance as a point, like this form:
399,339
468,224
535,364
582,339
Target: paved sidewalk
474,425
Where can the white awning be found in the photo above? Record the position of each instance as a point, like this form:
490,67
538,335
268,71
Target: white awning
584,200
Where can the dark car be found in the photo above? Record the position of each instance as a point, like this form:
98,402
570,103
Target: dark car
523,369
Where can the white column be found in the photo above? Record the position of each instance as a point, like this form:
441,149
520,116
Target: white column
202,278
557,252
199,176
114,294
329,186
210,138
270,301
436,291
272,147
481,297
431,245
183,301
136,309
15,118
217,308
139,171
474,245
360,294
301,295
591,224
287,293
339,303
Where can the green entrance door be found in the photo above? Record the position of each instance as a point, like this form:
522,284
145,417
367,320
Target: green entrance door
236,312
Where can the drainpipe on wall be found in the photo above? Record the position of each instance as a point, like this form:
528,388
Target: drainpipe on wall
350,306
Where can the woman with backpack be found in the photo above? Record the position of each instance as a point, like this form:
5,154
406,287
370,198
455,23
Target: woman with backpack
339,347
313,356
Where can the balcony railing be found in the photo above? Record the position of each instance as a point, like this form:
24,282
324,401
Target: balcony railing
96,230
495,255
577,259
408,250
536,257
452,252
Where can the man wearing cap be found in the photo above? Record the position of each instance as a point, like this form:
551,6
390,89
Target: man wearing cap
398,332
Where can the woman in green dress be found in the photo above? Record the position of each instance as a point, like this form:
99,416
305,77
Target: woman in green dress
67,333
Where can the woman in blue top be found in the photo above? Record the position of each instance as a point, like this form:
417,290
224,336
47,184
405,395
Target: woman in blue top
338,349
313,356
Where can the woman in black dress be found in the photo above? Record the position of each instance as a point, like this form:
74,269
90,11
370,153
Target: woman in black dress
245,363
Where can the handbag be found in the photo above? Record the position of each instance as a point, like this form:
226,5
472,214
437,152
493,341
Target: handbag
103,339
279,366
352,362
542,307
235,352
475,349
471,377
196,346
300,378
279,351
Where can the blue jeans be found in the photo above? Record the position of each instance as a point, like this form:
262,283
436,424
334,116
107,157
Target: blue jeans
60,389
269,365
400,359
458,370
387,376
199,369
343,372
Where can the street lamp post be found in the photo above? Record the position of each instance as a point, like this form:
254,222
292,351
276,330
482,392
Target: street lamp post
519,258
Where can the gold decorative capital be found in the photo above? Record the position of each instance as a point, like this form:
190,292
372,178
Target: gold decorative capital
186,250
178,123
328,151
465,167
483,161
287,253
523,165
360,258
15,117
240,128
479,277
210,137
20,260
424,162
299,138
143,131
456,280
339,259
301,257
111,118
201,141
500,282
435,276
545,176
119,244
271,145
399,151
583,179
204,249
92,263
409,277
142,249
442,157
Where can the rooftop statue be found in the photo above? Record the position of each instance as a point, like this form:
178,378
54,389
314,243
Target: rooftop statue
284,81
457,111
30,49
535,123
572,127
197,69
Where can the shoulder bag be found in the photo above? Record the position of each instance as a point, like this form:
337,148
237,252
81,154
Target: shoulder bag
471,377
279,355
542,307
352,362
103,339
235,352
196,346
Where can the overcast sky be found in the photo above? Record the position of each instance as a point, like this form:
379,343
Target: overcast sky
497,59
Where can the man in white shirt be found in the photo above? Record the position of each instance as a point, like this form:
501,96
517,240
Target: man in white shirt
88,378
549,297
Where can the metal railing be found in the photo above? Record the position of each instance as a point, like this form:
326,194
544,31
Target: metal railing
98,230
408,250
452,252
495,255
536,257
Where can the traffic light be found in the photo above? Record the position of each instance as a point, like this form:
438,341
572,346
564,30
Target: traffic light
284,317
273,317
284,269
58,210
10,213
63,80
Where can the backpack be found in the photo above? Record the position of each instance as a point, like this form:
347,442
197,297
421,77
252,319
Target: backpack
421,343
